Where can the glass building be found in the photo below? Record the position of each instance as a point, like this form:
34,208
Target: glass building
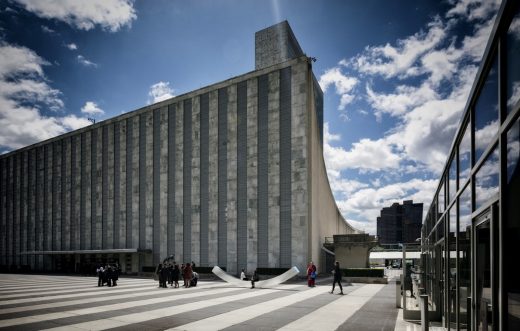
471,232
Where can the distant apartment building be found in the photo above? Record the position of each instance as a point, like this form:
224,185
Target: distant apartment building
400,223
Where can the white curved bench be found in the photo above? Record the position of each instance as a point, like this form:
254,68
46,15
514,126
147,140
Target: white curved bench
261,284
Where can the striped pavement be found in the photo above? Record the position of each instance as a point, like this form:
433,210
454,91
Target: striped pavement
35,302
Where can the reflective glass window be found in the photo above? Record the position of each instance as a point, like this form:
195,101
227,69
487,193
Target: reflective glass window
486,112
441,204
512,225
513,151
452,267
486,179
452,180
465,156
513,64
464,239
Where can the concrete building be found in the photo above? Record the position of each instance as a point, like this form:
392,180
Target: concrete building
400,223
471,232
231,174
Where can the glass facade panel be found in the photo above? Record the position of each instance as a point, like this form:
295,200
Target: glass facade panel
486,179
442,199
464,240
513,64
465,156
452,267
512,226
452,180
486,112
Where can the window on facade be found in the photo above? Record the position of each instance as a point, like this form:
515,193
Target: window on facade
486,179
465,156
513,64
452,180
486,112
452,275
464,238
442,202
512,225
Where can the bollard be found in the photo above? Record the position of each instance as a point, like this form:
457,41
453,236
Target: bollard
398,293
425,320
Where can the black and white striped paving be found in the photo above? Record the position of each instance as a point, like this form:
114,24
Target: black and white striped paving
35,302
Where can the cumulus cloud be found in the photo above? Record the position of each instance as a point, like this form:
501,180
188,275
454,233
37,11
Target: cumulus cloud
72,46
110,15
365,155
159,92
24,92
399,60
48,30
473,9
91,108
343,84
87,63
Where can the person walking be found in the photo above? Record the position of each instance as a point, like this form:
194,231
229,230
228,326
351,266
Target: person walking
254,278
337,278
311,274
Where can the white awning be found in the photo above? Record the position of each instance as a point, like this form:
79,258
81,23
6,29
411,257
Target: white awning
394,255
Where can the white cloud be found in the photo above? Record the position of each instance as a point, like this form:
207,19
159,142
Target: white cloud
110,15
363,207
391,61
48,30
91,108
365,155
72,122
400,102
87,63
24,91
159,92
343,84
72,46
474,9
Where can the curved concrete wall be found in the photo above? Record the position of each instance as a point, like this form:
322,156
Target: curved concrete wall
326,218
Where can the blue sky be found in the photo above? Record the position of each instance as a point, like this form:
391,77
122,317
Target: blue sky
396,75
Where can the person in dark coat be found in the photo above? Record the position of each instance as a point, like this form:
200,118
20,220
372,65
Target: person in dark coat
109,275
164,276
337,277
158,272
254,278
170,273
175,274
115,275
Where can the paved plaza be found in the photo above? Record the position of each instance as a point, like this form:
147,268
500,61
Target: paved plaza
35,302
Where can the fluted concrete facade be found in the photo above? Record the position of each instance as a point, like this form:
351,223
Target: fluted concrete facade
225,175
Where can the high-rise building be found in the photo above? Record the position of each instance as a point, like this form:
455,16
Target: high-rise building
231,174
400,223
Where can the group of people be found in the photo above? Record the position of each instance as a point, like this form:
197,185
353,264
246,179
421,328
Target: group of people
170,272
336,272
109,275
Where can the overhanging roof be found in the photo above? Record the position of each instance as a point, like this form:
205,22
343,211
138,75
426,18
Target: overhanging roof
88,251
